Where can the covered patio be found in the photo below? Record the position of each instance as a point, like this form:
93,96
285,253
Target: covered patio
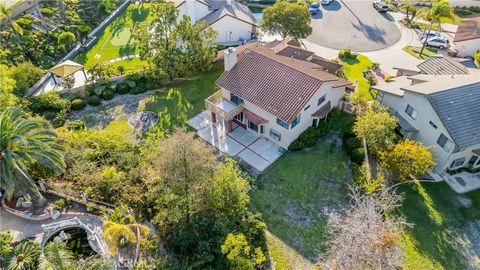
238,143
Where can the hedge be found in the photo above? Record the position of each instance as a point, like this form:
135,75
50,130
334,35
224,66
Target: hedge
78,104
358,155
123,88
138,90
309,137
93,100
107,94
352,143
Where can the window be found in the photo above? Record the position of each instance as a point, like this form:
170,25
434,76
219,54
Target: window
252,126
282,123
411,111
275,134
472,160
380,96
239,117
306,108
457,162
433,125
236,99
322,99
445,143
262,129
296,121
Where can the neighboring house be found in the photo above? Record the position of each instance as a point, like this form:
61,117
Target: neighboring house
467,37
435,65
271,93
439,106
233,21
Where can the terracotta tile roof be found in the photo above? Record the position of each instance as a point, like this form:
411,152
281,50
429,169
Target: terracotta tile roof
468,29
328,66
271,85
254,118
323,111
295,52
278,84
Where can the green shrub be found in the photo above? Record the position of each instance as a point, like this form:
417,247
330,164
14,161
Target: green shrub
107,94
113,87
93,100
476,59
25,75
309,137
138,90
78,104
68,96
46,11
358,155
352,143
58,204
50,102
346,53
123,88
76,125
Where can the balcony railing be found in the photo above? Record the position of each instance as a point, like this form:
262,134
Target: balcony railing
223,107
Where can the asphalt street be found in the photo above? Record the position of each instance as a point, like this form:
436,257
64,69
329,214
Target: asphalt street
353,24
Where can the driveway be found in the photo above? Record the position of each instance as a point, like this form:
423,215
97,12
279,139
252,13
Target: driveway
353,24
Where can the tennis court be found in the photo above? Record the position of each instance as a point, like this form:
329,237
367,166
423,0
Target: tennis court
117,40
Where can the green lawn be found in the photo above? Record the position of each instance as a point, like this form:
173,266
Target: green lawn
116,39
353,70
441,232
180,102
427,51
293,193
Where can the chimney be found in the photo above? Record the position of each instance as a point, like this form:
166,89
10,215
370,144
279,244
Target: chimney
190,5
230,58
229,2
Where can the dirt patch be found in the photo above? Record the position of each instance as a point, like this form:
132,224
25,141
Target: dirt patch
121,106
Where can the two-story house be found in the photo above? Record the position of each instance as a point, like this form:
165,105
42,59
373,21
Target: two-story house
439,106
272,92
233,21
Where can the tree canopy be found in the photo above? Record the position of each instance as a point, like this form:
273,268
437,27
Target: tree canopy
287,19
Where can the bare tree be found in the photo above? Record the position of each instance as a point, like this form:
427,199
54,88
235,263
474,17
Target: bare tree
365,235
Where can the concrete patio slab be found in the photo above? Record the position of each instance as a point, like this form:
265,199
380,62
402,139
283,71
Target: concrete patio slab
266,149
254,160
254,150
209,134
229,146
243,136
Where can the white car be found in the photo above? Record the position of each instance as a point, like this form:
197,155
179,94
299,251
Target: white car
439,42
326,2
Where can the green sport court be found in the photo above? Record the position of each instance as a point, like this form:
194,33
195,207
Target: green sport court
116,39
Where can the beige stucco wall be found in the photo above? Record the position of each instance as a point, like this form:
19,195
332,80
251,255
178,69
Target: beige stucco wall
240,30
289,135
201,10
467,47
427,134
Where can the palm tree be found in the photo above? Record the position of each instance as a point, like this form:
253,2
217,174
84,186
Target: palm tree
440,9
409,10
6,18
95,262
24,256
119,234
56,256
23,142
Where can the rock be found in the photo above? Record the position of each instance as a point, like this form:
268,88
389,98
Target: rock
55,214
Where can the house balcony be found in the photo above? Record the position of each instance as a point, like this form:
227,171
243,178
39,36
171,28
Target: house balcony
222,107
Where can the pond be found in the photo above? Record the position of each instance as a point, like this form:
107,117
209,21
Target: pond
76,240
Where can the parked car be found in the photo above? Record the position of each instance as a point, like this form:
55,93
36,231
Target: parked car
314,7
439,42
380,6
326,2
428,34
